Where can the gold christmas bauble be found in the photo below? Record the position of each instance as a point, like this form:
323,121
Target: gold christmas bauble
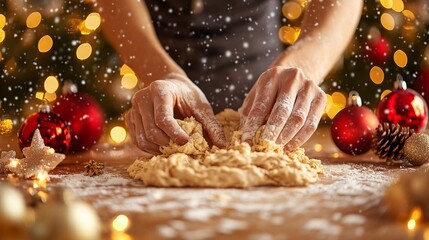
416,149
410,193
12,207
66,219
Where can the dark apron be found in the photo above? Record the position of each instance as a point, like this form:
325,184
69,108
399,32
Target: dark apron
222,45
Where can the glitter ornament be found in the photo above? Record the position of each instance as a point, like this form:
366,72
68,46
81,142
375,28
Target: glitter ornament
408,198
53,130
64,217
403,106
83,115
352,127
37,158
12,211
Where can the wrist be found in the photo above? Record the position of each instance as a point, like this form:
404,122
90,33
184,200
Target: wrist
158,67
311,70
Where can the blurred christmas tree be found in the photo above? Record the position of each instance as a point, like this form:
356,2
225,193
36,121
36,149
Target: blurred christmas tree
392,37
45,43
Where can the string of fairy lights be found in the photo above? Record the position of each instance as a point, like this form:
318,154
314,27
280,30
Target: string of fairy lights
394,13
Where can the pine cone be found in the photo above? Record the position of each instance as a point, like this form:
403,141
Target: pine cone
94,168
388,141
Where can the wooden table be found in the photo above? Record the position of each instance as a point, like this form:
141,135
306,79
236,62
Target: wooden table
345,204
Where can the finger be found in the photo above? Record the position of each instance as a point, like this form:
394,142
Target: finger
310,125
297,118
164,119
245,108
130,125
152,132
264,100
214,129
142,142
279,115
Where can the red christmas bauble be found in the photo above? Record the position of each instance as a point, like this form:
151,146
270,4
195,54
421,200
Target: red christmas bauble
405,107
378,50
53,129
353,126
84,117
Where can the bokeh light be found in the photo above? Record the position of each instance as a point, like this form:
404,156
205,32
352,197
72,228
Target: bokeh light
384,93
387,21
335,103
292,10
398,5
2,35
400,58
45,44
2,21
93,21
329,102
416,215
129,81
83,51
33,20
408,14
318,147
51,84
118,134
50,97
40,95
409,20
387,3
121,223
376,75
120,236
288,34
126,69
411,224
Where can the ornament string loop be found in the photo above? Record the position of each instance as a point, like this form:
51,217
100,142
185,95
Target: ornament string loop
354,99
400,83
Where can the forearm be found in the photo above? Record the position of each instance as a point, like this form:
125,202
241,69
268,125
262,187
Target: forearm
326,30
128,27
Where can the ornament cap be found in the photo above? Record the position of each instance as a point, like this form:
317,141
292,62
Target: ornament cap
354,99
44,108
400,84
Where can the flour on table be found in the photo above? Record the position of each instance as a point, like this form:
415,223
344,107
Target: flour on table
196,164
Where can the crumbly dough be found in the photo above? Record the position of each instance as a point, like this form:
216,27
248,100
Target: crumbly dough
195,164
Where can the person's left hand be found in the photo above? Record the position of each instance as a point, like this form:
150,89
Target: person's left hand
287,102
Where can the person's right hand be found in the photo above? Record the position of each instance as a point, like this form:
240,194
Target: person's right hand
151,119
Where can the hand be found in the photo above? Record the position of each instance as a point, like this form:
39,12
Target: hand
287,102
151,119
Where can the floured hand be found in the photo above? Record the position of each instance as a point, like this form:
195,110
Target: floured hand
287,102
151,119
